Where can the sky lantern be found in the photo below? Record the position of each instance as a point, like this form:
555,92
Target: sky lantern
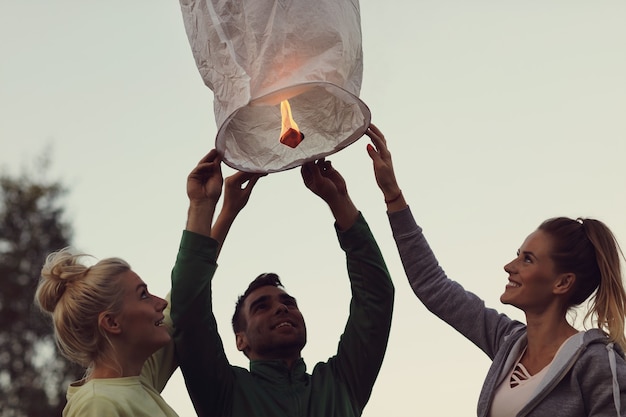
285,74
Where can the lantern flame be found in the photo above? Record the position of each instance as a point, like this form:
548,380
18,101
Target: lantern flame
290,135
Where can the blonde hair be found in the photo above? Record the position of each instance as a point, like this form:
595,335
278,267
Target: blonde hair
74,295
588,248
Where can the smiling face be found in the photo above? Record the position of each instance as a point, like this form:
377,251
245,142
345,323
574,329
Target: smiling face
274,327
533,281
141,318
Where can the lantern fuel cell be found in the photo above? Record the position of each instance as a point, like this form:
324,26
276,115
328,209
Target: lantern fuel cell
265,58
290,135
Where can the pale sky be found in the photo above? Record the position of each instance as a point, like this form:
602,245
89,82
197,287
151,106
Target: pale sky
499,115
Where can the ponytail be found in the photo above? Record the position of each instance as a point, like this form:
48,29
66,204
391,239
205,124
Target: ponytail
609,304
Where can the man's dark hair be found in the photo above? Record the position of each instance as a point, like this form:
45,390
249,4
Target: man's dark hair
263,280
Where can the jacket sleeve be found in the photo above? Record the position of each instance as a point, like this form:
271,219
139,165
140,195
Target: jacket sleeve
447,299
208,375
364,341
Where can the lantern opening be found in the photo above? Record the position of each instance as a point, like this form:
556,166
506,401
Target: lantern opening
290,135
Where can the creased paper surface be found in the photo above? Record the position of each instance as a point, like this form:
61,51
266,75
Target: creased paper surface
255,53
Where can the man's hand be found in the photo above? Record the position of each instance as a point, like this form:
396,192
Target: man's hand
204,183
204,187
237,189
326,182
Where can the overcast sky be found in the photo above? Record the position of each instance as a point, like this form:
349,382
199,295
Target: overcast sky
499,115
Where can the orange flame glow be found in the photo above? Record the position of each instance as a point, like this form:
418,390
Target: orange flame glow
290,135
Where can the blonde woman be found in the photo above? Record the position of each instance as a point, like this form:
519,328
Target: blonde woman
106,321
544,367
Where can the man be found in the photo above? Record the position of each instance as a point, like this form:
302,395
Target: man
269,328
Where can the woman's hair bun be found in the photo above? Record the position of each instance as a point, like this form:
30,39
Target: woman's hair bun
62,268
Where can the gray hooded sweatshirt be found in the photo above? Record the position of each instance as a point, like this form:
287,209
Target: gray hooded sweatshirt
586,378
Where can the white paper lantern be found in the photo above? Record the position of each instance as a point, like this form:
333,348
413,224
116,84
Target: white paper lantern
258,54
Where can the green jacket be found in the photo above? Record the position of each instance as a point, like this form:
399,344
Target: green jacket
339,387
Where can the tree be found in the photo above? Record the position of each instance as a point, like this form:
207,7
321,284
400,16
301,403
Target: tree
33,375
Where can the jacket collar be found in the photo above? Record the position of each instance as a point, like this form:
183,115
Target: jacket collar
276,371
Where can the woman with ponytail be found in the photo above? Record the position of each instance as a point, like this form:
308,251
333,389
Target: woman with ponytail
544,367
105,320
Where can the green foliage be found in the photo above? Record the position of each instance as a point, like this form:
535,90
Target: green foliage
33,375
